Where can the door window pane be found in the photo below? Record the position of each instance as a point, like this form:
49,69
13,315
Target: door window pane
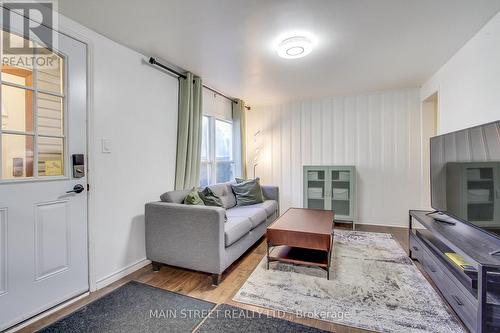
17,70
17,156
17,75
50,77
50,115
223,141
50,156
17,109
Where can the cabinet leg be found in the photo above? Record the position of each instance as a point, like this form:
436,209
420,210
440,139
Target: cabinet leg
216,279
156,266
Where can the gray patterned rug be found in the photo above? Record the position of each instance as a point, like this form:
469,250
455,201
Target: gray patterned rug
229,319
135,307
373,285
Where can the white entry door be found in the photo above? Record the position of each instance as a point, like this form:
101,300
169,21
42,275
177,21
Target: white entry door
43,229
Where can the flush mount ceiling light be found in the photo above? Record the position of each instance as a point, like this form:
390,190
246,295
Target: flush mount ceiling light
295,47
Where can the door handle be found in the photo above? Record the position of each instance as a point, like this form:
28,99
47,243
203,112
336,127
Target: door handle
77,189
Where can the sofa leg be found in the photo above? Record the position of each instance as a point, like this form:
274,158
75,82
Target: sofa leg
216,279
156,266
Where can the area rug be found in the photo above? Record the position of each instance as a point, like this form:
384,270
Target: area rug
136,307
373,285
230,319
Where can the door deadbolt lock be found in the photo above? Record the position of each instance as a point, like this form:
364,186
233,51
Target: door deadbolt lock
78,166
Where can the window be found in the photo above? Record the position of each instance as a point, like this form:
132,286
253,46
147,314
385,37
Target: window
217,164
32,119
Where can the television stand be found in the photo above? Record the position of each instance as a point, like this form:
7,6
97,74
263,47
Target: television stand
458,258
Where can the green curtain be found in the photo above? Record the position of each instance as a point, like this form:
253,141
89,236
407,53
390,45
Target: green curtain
239,133
187,170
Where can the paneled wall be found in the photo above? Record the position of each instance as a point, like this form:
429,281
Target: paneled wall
379,133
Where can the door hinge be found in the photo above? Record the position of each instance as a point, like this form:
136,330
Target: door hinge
88,187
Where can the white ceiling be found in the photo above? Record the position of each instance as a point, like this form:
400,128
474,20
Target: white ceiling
363,45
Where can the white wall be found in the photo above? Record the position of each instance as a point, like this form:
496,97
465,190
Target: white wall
135,106
377,132
469,83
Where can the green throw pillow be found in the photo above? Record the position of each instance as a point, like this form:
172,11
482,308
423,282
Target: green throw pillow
209,198
193,198
247,192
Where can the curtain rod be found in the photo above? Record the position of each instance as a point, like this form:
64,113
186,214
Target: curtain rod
153,61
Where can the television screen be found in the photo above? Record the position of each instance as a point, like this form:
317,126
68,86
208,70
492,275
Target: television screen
465,175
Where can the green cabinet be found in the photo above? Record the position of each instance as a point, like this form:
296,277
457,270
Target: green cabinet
331,188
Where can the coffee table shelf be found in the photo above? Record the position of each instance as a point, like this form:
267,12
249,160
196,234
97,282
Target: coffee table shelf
299,256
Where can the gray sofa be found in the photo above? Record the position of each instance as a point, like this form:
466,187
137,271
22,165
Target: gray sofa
199,237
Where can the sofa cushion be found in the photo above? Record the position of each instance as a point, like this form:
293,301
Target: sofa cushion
175,196
270,206
235,228
256,215
224,192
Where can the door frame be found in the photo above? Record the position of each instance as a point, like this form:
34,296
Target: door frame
62,28
434,97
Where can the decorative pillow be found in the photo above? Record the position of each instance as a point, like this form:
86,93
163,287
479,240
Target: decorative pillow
248,192
193,198
209,198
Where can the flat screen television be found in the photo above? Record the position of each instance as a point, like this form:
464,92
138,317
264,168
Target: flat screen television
465,175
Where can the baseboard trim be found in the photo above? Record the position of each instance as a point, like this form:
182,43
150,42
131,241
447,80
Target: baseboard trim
45,313
384,225
108,279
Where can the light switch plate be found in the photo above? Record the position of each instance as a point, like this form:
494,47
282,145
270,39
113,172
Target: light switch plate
106,145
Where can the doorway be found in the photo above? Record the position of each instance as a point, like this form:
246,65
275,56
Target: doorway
43,181
430,125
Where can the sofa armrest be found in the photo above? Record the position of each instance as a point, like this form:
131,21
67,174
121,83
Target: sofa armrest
271,192
188,236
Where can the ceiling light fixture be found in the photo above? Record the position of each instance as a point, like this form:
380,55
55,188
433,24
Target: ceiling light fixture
295,47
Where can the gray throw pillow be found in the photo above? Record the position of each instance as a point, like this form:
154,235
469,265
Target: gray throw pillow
209,198
247,192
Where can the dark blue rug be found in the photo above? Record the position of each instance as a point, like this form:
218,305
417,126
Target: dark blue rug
136,307
230,319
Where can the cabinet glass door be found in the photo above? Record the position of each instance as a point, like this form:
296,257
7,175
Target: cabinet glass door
480,193
341,192
316,189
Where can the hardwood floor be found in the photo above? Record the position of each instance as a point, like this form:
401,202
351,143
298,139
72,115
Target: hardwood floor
199,285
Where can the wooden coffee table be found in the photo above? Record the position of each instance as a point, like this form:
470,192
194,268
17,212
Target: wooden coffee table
302,237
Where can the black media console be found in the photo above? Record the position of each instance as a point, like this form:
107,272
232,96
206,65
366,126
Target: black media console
473,292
